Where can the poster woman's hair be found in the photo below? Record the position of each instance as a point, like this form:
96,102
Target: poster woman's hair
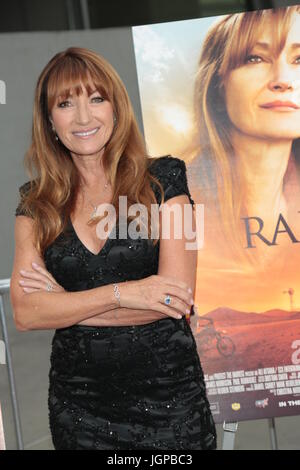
226,47
54,186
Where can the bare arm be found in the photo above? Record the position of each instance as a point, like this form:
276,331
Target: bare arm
47,310
39,310
124,317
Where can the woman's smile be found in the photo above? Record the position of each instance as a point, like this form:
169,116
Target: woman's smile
86,134
282,106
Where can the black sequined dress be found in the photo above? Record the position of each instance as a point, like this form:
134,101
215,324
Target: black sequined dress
125,387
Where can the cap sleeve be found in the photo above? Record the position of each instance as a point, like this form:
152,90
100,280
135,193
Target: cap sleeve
22,191
171,173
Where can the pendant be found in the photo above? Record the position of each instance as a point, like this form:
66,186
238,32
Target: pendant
93,216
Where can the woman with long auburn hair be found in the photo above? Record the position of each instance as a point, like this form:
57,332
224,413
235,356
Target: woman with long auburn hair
125,372
247,111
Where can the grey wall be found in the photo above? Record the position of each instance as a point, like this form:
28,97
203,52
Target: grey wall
22,58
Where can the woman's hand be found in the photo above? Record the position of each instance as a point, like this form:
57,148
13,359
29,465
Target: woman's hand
150,294
38,279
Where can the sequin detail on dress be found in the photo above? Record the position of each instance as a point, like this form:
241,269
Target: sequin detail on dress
128,387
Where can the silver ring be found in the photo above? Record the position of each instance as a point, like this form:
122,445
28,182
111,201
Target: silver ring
49,286
167,300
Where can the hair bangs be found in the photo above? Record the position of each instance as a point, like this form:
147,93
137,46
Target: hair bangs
245,29
68,76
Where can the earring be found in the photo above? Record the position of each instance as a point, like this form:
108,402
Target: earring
56,136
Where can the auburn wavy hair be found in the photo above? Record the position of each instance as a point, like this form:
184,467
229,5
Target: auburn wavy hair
227,44
54,178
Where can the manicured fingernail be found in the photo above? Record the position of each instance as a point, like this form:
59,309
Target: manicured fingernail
35,265
187,310
190,290
22,271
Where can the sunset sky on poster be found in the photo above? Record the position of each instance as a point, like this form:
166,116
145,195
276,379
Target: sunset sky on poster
166,56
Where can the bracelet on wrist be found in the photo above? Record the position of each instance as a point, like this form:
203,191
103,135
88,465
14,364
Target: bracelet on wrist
117,293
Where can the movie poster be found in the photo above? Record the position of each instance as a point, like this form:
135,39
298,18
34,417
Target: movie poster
223,94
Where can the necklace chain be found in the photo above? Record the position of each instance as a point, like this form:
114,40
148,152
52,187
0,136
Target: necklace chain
93,215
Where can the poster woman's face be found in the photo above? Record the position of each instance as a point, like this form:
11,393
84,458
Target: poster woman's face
263,95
